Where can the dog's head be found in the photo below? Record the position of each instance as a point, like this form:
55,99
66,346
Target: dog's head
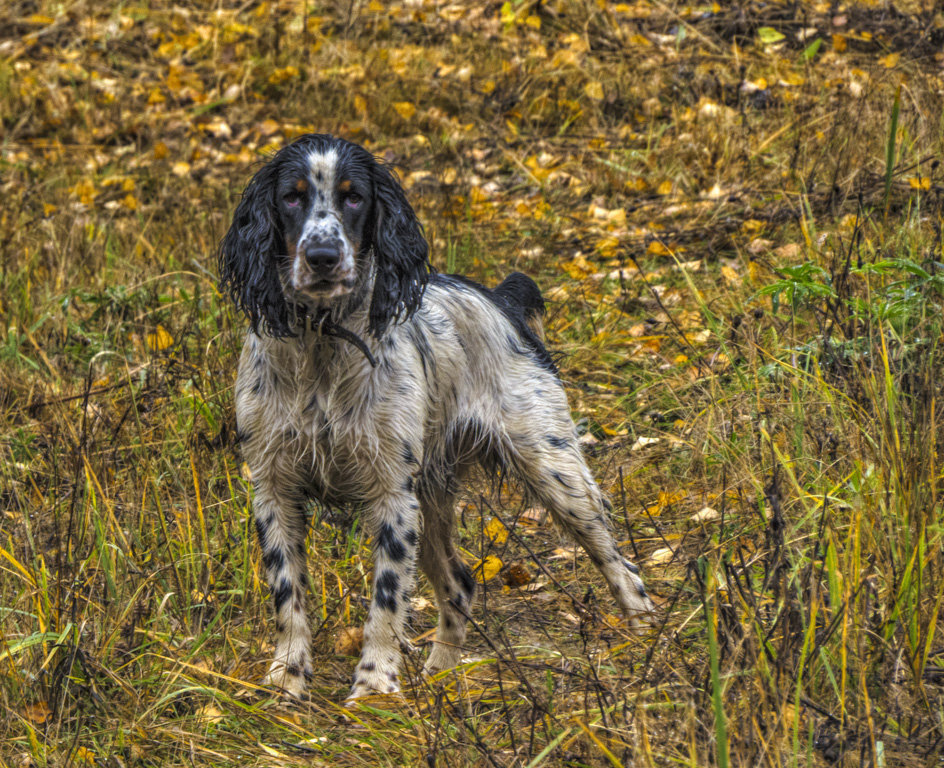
318,220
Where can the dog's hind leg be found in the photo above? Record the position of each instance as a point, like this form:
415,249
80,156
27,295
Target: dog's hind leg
544,452
451,580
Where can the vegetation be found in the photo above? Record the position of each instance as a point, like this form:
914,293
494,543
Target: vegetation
736,212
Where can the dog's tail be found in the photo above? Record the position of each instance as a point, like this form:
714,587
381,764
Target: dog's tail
520,290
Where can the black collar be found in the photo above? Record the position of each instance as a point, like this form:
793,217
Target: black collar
322,324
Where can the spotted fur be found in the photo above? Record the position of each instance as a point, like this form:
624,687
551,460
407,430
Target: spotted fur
367,380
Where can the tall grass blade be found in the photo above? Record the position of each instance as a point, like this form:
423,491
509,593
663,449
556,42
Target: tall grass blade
890,146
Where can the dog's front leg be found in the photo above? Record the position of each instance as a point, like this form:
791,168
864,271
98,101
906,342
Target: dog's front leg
282,525
394,527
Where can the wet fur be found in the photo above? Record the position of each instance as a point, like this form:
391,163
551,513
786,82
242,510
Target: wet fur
462,377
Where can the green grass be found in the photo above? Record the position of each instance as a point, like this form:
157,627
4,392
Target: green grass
775,208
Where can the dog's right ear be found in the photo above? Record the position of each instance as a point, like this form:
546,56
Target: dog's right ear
248,256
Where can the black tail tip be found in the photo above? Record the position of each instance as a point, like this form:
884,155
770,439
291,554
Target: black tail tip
520,289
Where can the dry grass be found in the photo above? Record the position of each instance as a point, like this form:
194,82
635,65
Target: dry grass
775,209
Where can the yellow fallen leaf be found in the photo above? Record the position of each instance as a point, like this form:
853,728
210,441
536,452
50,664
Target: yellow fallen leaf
85,755
578,268
658,248
159,340
891,60
607,247
85,191
594,90
406,109
753,271
487,569
665,499
665,188
496,531
839,43
282,74
730,275
919,182
181,169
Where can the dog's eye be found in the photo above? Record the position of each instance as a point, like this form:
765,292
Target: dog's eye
353,200
292,199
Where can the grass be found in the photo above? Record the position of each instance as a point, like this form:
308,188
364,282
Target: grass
740,238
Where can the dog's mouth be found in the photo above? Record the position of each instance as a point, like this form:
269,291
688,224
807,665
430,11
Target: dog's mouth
324,288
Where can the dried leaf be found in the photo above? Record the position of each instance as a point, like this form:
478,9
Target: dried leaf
350,641
534,515
662,556
705,515
516,575
37,713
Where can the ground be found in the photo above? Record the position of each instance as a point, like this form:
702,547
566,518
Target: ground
734,210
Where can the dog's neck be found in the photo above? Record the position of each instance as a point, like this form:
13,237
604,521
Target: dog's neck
345,320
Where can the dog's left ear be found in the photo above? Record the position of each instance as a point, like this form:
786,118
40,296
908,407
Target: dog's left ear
400,252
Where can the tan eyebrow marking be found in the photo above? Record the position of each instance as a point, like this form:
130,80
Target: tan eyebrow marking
301,185
345,186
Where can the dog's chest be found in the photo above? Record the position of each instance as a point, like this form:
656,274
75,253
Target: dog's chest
342,437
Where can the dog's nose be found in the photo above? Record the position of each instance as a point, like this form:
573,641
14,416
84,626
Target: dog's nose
322,258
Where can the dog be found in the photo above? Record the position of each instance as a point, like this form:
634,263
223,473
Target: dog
367,378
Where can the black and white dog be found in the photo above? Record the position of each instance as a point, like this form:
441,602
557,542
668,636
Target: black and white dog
367,380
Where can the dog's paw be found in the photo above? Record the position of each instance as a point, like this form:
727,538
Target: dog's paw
442,657
372,678
633,598
289,678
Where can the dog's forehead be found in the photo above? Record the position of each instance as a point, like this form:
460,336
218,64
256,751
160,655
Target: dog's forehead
322,170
